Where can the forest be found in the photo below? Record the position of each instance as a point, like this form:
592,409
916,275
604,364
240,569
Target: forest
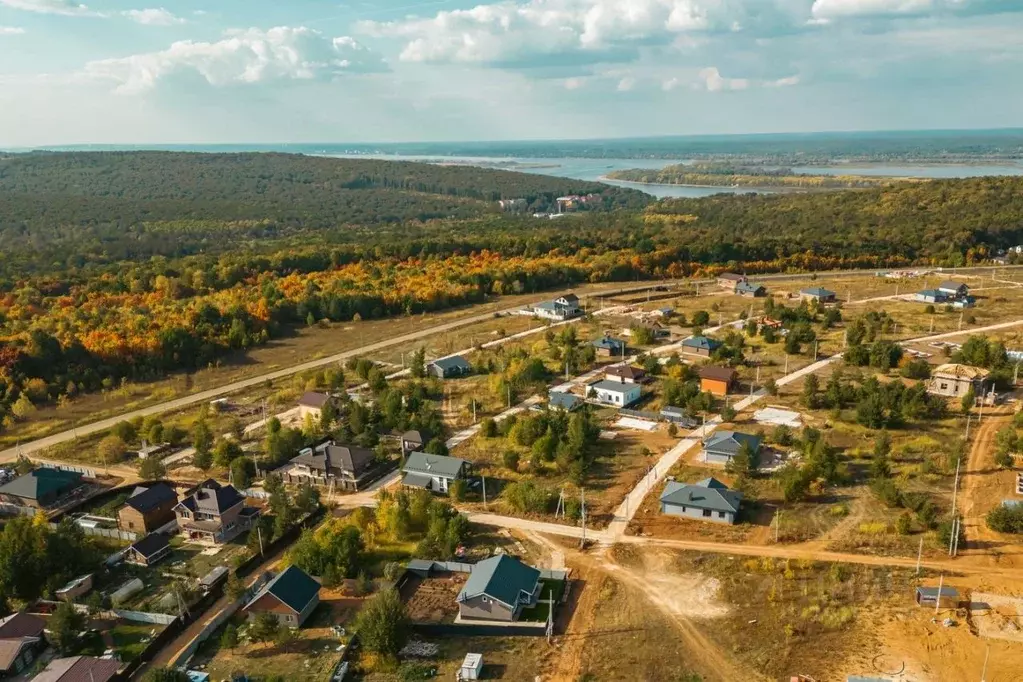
721,174
95,289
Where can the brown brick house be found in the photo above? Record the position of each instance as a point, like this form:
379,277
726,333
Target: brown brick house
214,514
147,509
291,597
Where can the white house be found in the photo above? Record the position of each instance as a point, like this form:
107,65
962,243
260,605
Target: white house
560,309
614,393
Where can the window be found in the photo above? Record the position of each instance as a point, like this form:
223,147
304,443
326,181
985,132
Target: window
721,515
706,512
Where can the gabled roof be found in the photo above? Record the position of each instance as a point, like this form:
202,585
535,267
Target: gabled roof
330,456
625,372
11,648
151,545
952,285
212,497
79,669
502,578
932,293
434,465
293,587
147,499
702,342
40,483
564,401
613,387
569,298
961,372
750,287
21,624
416,436
709,493
818,292
454,362
314,399
717,373
608,343
934,591
730,442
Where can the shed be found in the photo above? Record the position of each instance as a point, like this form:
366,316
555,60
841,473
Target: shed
472,667
148,550
76,588
609,346
927,596
212,578
420,567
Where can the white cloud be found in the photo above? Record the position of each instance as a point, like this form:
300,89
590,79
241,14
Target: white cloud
241,57
832,9
712,80
786,82
62,7
153,17
11,31
626,84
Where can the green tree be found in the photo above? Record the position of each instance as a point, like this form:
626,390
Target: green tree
811,392
383,624
488,428
202,460
202,437
968,401
125,430
417,363
234,587
457,490
111,449
229,640
225,451
242,470
152,469
165,675
264,628
64,626
510,459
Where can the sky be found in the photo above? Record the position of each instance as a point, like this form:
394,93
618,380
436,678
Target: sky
275,71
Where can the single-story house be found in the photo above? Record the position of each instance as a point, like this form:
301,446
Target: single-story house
311,404
819,294
433,472
677,415
751,289
707,500
445,368
609,347
148,508
343,465
625,374
21,641
722,446
717,380
412,440
948,597
614,393
954,381
730,280
560,400
498,589
149,550
78,587
79,669
560,309
701,345
40,488
291,596
931,296
953,289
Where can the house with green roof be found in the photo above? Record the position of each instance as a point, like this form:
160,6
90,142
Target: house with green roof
433,472
707,500
40,488
498,589
291,596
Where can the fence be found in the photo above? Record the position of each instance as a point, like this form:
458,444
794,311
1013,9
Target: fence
114,533
16,510
84,471
144,617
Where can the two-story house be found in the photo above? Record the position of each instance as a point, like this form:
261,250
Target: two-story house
147,509
214,514
344,466
433,472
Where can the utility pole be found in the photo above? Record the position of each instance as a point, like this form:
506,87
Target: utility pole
961,318
259,534
937,599
815,342
983,672
967,437
582,540
919,555
786,364
484,486
777,525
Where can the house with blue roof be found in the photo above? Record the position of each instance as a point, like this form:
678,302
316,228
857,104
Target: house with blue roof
609,347
819,294
722,446
707,500
445,368
498,589
701,345
931,296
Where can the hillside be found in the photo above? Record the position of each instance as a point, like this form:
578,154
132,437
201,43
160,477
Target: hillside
729,175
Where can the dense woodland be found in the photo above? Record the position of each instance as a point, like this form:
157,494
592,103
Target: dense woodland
719,174
133,265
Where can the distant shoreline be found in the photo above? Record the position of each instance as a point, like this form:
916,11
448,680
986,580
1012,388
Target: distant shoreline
725,189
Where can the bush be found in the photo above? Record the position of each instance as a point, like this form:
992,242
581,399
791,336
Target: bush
383,624
887,492
904,524
528,497
510,458
1003,519
488,428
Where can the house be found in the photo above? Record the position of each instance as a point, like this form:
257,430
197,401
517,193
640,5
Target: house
433,472
79,587
717,380
614,393
750,289
946,597
708,500
311,404
625,374
609,347
730,280
560,309
344,466
700,345
819,294
678,416
413,440
559,400
445,368
498,589
954,289
954,381
21,641
148,508
214,514
149,550
291,596
79,669
931,296
722,446
40,488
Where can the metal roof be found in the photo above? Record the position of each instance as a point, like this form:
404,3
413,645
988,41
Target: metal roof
79,669
709,493
818,292
148,499
41,482
151,545
434,465
565,401
21,624
717,373
609,343
330,456
210,496
454,362
701,342
730,442
293,587
614,386
314,399
500,577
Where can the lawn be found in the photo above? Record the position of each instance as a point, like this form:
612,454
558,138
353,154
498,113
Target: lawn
552,589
